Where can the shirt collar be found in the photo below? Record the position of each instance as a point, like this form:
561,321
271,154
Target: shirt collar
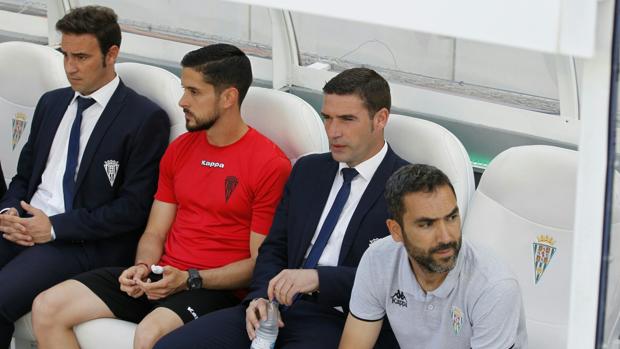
368,168
103,95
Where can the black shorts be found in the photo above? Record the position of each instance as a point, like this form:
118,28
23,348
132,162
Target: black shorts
188,305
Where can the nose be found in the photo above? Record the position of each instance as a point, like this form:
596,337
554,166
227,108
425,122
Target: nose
70,66
332,129
183,100
443,232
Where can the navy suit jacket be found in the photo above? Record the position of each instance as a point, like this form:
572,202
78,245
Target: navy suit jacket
107,219
297,217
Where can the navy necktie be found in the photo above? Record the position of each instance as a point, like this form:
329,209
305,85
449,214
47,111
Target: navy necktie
68,179
332,218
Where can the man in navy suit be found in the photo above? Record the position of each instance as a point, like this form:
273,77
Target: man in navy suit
331,211
85,178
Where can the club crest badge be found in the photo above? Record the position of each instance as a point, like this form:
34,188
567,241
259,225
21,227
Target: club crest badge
457,319
111,169
19,125
230,183
543,252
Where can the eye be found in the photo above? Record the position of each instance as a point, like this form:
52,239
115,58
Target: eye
425,225
453,217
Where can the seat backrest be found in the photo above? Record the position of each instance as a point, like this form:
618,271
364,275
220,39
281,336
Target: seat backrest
287,120
27,71
425,142
160,86
523,210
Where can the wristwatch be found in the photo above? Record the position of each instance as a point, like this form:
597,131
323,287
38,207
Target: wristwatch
194,281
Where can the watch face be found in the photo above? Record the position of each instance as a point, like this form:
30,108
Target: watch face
194,282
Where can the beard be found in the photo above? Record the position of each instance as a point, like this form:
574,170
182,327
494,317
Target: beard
200,125
427,261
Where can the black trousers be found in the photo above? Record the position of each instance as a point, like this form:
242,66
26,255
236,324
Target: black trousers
27,271
306,325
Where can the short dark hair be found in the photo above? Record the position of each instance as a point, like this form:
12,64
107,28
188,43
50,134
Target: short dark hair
412,179
223,66
99,21
366,83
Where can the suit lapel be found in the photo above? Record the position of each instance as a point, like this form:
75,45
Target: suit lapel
109,114
373,192
316,205
47,133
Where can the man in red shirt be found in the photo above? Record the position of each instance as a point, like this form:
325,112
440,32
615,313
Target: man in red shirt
218,188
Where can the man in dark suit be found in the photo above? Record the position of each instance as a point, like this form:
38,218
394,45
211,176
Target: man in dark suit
85,178
331,211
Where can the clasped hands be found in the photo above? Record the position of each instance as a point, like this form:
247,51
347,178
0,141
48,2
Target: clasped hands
284,288
135,282
26,231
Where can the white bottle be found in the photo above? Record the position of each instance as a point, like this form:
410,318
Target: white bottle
267,332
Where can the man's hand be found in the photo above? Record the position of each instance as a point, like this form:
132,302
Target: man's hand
130,277
12,230
39,226
173,281
255,312
289,282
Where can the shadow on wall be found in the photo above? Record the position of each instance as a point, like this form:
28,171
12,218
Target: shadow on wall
2,184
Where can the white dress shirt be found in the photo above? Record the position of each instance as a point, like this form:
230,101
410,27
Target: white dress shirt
366,170
49,195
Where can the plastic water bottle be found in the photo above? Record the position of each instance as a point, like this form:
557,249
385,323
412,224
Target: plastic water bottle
267,332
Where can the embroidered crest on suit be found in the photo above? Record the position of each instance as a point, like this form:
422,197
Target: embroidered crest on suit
111,169
19,125
230,183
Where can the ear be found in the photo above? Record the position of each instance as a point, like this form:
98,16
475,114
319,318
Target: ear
229,98
112,55
381,118
395,230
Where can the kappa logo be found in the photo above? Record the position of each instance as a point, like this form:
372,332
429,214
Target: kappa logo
111,170
211,164
543,252
230,183
19,125
191,311
399,298
372,241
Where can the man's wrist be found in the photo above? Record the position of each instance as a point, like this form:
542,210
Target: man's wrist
148,268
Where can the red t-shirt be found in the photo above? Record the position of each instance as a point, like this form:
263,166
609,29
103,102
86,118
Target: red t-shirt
222,194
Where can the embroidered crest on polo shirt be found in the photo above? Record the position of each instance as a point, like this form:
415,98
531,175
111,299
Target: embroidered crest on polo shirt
543,252
457,319
372,241
212,164
230,183
399,298
19,125
111,169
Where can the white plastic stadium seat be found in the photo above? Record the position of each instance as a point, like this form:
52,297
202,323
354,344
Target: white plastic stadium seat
160,86
523,210
287,120
425,142
26,72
